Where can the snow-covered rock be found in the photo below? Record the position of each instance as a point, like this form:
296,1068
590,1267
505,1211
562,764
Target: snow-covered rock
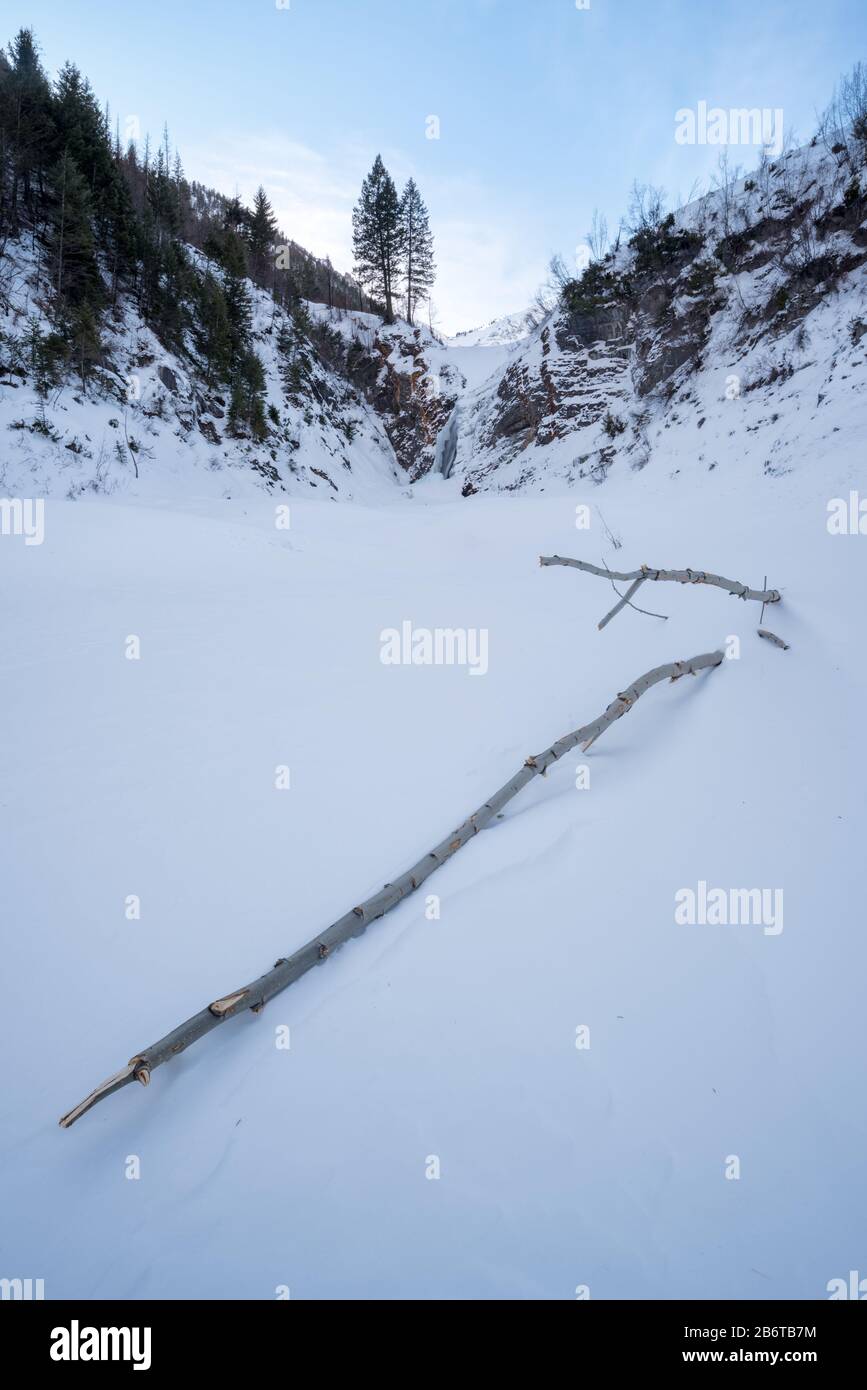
742,319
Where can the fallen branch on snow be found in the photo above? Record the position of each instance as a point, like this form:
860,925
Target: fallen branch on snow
772,637
646,611
353,923
640,576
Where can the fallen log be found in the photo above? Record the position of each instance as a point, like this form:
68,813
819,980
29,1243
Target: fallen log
285,971
640,576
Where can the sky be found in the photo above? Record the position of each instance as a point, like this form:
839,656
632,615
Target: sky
517,118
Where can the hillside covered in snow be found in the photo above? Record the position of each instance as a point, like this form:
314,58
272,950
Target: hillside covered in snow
262,510
743,312
740,315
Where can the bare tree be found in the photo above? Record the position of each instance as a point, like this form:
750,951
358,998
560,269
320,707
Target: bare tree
723,184
597,237
548,295
646,207
843,125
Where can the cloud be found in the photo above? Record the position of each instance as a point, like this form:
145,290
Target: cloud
312,199
483,267
483,273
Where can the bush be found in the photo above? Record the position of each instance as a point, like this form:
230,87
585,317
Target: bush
659,247
596,287
702,277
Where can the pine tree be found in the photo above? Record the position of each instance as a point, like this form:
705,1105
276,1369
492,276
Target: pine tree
84,339
246,404
233,259
214,336
235,214
262,231
377,236
27,121
163,199
419,271
181,191
69,241
83,132
46,356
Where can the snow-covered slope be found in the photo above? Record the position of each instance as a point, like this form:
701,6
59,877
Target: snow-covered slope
743,317
453,1038
147,425
511,328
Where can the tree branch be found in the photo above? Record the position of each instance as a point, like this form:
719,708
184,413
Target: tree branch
648,612
639,576
354,922
772,637
624,600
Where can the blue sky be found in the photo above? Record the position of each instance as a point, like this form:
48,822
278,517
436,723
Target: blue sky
545,110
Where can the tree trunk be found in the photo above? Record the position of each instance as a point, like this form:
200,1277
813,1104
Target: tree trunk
62,231
353,923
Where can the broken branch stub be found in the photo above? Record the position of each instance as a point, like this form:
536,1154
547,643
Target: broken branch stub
353,923
773,638
639,576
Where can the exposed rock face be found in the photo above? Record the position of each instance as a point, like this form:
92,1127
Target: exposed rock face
168,379
571,389
413,404
404,373
744,294
725,291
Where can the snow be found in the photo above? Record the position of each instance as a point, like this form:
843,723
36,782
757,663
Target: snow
453,1037
511,328
784,389
84,452
263,1167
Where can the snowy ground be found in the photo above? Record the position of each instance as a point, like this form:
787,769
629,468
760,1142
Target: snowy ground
454,1038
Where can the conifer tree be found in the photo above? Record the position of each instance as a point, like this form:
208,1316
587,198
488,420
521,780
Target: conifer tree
69,238
233,259
181,193
214,337
262,231
419,271
83,132
26,114
84,339
246,404
377,236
